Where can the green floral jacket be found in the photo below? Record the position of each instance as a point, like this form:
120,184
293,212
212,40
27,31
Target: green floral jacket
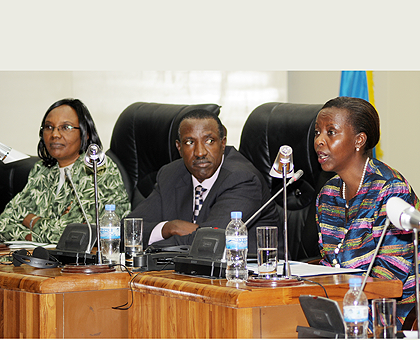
40,197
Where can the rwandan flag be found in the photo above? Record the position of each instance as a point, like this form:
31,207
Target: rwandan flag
359,84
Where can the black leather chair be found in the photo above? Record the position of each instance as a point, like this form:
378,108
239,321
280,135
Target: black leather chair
268,127
13,178
143,140
411,322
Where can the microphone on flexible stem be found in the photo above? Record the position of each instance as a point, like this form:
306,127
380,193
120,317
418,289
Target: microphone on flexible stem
283,168
95,158
68,175
387,221
294,178
402,215
406,217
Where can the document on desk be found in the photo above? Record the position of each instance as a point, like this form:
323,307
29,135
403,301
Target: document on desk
28,245
303,269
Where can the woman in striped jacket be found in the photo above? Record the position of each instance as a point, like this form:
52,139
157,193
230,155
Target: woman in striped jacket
351,207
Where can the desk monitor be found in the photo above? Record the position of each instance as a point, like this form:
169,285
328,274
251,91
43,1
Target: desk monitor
324,318
205,257
73,243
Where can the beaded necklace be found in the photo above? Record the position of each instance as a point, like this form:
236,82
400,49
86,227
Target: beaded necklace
360,184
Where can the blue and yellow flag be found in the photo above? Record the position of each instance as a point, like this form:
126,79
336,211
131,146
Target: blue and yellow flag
359,84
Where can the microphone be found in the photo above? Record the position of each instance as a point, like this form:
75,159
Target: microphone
94,154
294,178
284,159
94,159
402,215
387,221
68,175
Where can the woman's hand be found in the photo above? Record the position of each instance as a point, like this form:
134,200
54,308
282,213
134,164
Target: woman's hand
67,209
29,222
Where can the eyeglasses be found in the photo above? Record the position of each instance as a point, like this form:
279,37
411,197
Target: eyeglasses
63,129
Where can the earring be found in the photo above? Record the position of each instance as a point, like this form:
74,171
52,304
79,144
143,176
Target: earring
357,149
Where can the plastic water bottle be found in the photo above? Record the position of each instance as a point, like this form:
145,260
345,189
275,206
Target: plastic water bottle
110,235
236,248
356,310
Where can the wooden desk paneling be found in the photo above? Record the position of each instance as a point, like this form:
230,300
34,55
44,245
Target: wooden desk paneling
169,305
43,303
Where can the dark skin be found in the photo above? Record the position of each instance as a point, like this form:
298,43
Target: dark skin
202,150
336,145
63,147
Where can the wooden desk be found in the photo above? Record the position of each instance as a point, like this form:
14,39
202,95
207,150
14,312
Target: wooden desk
169,305
43,303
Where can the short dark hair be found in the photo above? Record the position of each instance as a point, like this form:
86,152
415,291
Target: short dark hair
362,116
88,133
203,114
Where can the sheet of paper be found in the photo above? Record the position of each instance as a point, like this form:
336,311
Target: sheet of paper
303,269
28,245
411,334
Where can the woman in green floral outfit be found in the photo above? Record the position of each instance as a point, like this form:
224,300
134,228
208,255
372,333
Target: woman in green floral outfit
42,210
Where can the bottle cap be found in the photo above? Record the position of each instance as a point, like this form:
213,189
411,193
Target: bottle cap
355,281
109,207
236,214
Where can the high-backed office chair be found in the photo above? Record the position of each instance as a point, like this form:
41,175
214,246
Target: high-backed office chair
268,127
143,140
411,322
13,178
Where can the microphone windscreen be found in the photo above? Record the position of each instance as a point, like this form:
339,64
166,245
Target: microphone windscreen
298,174
394,209
94,153
286,154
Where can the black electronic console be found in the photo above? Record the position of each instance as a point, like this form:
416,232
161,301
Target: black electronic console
324,318
71,257
73,243
160,258
206,256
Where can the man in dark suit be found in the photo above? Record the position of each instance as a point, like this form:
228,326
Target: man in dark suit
229,180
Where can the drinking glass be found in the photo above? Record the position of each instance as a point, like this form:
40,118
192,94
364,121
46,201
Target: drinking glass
384,317
267,244
133,239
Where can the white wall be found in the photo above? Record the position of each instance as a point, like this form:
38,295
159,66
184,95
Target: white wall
396,94
313,87
25,96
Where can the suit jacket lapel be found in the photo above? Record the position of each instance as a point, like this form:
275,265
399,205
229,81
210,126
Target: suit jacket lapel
211,196
184,197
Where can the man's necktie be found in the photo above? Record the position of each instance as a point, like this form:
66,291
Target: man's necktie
198,202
